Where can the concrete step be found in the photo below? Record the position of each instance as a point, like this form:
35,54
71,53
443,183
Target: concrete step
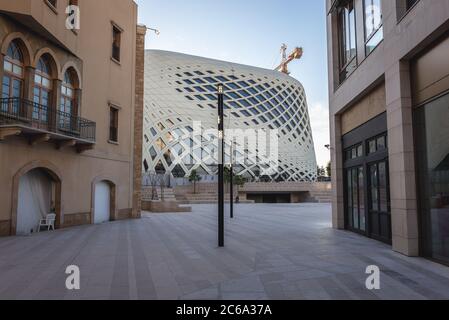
321,196
169,194
211,202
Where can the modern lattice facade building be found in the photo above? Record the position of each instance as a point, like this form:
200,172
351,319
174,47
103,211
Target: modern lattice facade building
181,90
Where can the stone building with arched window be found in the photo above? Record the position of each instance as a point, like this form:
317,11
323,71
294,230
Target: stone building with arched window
59,88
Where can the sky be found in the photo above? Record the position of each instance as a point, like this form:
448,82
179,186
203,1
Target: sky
250,32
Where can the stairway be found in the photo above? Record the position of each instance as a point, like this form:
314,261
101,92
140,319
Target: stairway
169,194
203,198
321,196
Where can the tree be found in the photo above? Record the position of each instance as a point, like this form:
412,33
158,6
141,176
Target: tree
153,179
194,177
329,169
227,178
239,181
321,171
227,175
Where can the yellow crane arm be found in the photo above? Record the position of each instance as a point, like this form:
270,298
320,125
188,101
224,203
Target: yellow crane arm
296,54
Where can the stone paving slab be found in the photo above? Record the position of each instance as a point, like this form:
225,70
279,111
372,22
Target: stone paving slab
272,252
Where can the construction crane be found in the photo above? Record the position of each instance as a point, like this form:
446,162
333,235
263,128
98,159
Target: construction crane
296,54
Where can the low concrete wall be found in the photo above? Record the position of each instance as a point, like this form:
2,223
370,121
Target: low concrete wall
5,228
299,191
200,188
286,187
77,219
164,207
261,186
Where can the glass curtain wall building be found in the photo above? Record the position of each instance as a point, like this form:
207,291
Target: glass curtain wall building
181,93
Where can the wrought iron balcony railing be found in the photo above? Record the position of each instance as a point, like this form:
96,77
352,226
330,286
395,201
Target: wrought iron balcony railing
22,112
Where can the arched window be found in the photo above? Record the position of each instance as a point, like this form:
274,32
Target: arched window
13,76
42,88
68,105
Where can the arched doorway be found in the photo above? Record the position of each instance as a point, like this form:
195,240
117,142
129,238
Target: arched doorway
36,199
103,202
46,173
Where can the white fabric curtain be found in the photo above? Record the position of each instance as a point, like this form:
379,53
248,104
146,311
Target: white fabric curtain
35,195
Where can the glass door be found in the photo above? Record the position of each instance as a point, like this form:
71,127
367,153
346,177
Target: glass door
379,201
355,199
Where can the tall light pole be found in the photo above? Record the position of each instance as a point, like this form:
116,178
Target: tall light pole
220,166
231,172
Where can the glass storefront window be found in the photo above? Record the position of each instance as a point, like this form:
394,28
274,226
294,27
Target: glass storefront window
349,202
355,199
361,181
432,137
377,144
381,142
383,196
374,188
372,146
354,152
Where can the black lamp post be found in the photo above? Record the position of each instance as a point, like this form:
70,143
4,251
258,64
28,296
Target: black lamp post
220,166
231,172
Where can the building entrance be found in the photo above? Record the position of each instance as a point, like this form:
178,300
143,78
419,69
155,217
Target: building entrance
367,192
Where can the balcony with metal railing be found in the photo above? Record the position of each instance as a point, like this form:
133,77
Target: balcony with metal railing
39,123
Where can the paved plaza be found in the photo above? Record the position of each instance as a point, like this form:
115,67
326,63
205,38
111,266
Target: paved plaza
272,252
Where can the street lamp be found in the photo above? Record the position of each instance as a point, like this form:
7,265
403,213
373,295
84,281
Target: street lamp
156,31
231,172
220,166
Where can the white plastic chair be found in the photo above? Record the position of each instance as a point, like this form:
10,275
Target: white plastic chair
48,221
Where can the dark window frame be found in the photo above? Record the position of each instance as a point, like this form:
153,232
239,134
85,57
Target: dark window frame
113,124
408,9
369,37
343,66
53,5
116,43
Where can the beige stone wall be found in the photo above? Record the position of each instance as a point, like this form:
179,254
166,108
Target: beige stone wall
103,82
138,121
44,19
371,105
430,77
